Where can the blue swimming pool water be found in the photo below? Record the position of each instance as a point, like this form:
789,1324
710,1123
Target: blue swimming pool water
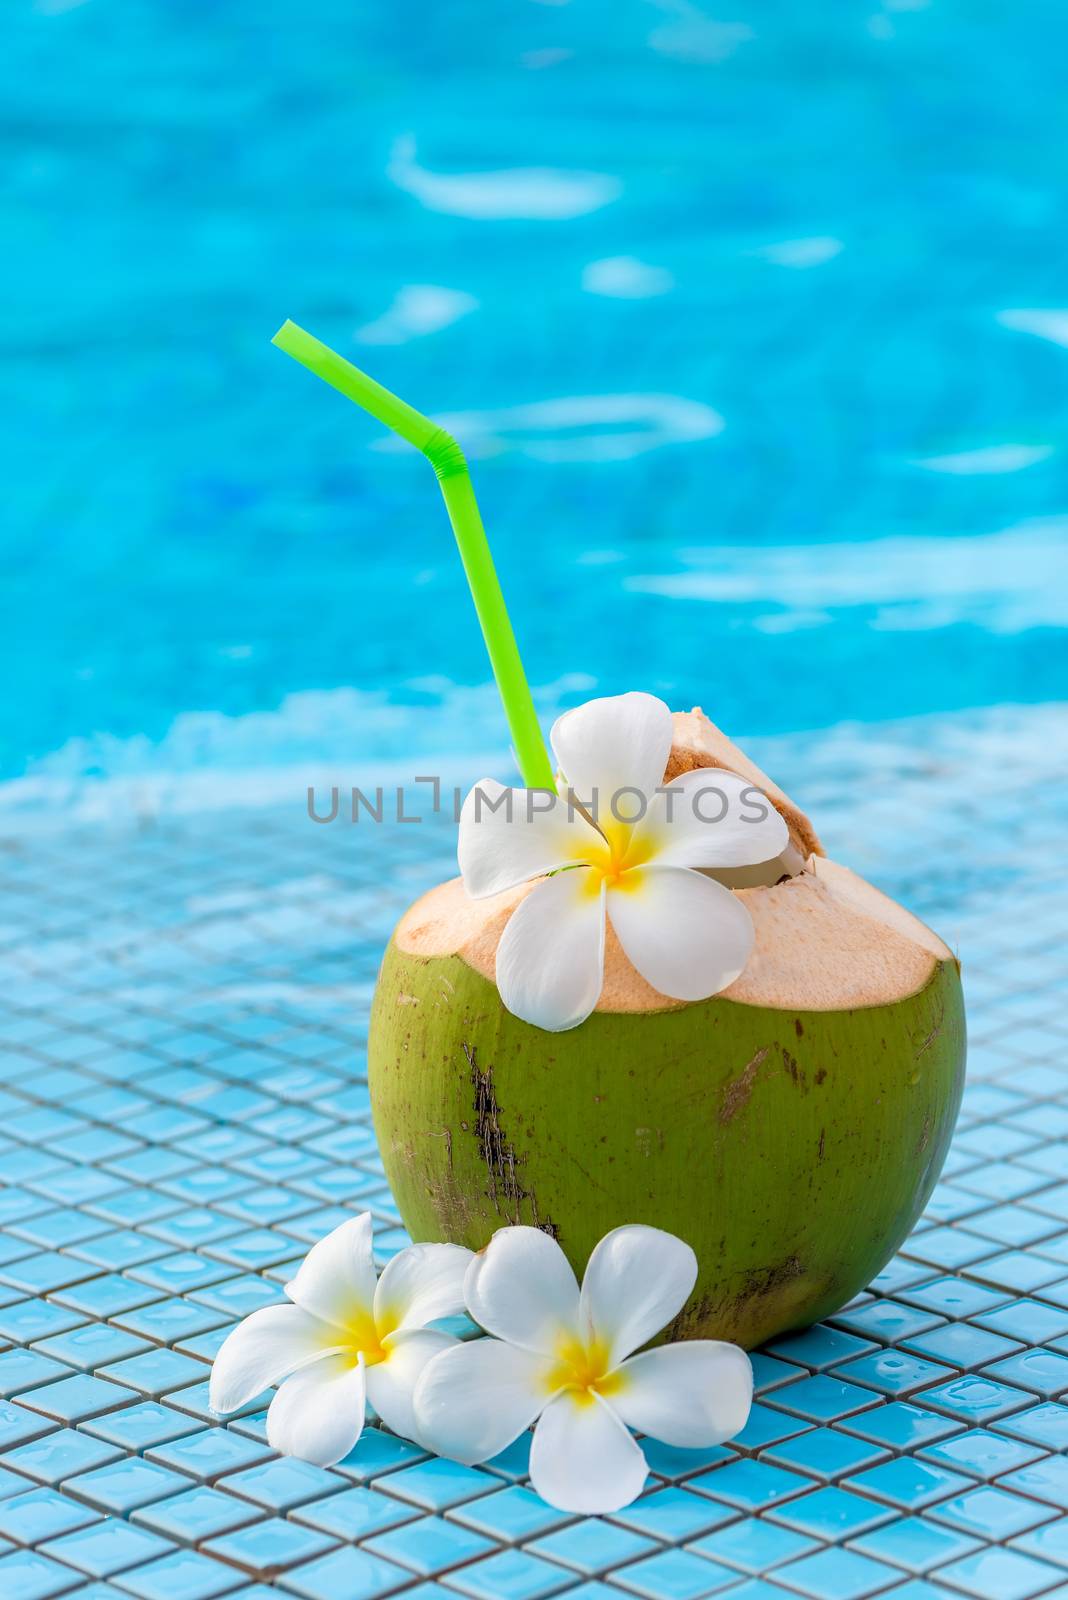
754,323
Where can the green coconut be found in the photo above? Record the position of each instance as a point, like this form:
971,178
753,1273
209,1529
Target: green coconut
790,1129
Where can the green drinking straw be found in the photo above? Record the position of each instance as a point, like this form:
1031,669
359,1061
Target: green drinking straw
454,480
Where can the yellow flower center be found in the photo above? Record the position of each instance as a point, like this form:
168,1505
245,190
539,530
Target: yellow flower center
615,859
365,1337
582,1369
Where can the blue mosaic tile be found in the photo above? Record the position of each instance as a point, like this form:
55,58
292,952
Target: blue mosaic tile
182,1575
669,1461
835,1574
283,1483
60,1455
1044,1425
107,1295
909,1483
981,1453
893,1373
155,1372
511,1515
750,1485
91,1346
819,1347
831,1514
207,1453
959,1344
27,1320
976,1399
888,1320
513,1462
770,1371
196,1514
825,1454
431,1545
18,1425
182,1271
138,1427
238,1296
77,1399
1000,1575
1045,1480
902,1425
355,1513
1033,1321
673,1515
674,1575
39,1514
1017,1272
824,1398
269,1548
992,1513
438,1485
1044,1371
753,1545
64,1226
767,1426
25,1369
354,1574
29,1575
105,1548
511,1575
124,1486
167,1321
1048,1542
953,1297
915,1544
377,1452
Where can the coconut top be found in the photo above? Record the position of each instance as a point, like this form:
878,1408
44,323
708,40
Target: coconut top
699,743
825,939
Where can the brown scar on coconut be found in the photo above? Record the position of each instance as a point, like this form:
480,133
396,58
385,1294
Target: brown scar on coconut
791,1129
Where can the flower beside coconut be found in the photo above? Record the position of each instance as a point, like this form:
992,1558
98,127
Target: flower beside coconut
566,1360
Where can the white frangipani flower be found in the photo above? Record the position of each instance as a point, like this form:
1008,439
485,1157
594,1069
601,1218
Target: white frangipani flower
686,934
345,1339
563,1357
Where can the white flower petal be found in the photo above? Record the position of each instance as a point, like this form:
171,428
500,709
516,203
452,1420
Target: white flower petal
419,1285
583,1459
391,1383
712,818
336,1279
318,1414
521,1288
621,742
529,834
473,1400
689,1395
686,934
263,1349
550,959
636,1280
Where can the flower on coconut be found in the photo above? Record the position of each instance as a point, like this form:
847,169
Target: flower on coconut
684,932
563,1357
346,1337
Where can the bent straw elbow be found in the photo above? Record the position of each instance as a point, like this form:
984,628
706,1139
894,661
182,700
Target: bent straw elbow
454,479
445,455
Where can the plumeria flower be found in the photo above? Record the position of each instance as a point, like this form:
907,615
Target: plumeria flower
344,1339
563,1357
686,934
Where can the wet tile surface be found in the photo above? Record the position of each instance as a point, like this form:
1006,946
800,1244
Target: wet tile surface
183,1089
